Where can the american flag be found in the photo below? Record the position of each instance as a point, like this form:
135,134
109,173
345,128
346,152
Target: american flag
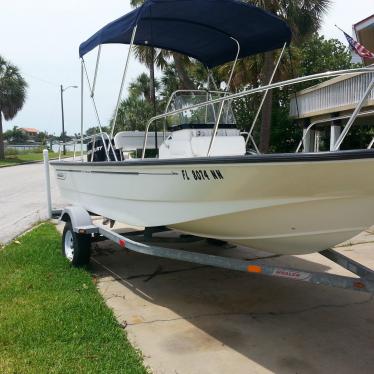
359,48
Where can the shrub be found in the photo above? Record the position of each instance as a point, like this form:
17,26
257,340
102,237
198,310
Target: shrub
11,152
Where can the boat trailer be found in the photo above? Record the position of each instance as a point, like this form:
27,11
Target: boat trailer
80,231
80,222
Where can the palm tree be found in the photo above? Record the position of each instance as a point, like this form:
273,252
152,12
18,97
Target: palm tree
182,63
12,95
140,87
304,17
151,57
170,82
137,108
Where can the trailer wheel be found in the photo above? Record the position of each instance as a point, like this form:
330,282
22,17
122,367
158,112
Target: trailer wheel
76,247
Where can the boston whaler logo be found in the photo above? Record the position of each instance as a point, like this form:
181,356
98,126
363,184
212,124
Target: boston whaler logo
202,175
61,176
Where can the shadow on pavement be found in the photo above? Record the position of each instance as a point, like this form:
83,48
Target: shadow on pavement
280,325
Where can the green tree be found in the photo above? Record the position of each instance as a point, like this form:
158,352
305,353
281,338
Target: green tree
19,136
12,95
170,82
15,136
133,114
135,111
140,87
315,55
7,135
96,130
42,137
151,56
304,18
318,55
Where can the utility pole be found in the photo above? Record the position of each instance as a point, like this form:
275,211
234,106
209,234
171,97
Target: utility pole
63,118
153,90
62,90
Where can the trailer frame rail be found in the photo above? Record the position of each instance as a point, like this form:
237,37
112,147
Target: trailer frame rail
364,282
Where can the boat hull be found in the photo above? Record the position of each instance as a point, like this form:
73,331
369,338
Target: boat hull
293,205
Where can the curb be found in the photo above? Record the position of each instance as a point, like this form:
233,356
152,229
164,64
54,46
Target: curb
28,162
21,163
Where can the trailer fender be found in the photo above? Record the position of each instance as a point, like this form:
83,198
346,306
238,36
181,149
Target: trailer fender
78,217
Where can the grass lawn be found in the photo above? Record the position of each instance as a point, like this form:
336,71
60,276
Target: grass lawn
22,158
52,318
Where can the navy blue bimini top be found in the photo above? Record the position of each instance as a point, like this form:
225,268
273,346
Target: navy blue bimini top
201,29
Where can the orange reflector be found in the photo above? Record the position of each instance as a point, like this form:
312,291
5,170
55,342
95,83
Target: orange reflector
254,269
122,243
358,285
82,231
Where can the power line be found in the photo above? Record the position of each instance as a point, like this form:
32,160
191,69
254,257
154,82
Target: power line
41,80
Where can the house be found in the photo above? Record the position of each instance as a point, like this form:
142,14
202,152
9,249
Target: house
29,131
364,32
332,102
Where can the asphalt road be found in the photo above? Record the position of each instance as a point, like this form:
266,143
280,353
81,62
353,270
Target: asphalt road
23,199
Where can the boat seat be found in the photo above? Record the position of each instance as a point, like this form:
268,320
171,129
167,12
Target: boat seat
222,146
121,141
189,143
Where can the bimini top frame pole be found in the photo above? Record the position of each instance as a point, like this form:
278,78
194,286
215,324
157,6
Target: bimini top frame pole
123,81
223,102
97,113
250,137
82,107
96,71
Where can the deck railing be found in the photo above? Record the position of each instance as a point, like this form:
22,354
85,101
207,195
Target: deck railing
336,96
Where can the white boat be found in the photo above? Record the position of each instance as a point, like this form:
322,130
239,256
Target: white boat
204,181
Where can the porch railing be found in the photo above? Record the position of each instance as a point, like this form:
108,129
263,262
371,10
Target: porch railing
334,96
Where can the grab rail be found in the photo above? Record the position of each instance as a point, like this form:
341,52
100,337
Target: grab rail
252,91
353,117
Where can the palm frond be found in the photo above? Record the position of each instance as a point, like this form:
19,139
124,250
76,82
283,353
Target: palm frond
303,16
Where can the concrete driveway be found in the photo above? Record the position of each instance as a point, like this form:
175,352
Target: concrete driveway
187,318
22,199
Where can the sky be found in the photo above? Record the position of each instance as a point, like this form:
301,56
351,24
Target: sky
42,37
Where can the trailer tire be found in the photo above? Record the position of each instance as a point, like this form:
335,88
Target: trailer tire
75,247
